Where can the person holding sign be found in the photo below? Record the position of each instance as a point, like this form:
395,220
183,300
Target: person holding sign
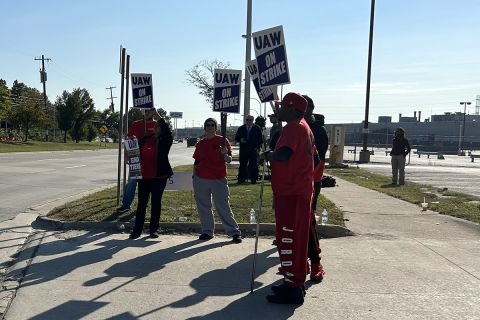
139,129
250,138
292,164
156,170
211,155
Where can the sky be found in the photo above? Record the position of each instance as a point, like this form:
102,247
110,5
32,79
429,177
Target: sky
426,53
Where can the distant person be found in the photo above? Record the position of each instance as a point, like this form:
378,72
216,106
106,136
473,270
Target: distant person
156,169
316,124
250,138
400,150
275,130
292,164
137,129
211,155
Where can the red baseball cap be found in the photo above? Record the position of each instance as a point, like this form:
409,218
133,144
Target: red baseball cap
295,100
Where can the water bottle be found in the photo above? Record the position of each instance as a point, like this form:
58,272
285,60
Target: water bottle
253,216
324,217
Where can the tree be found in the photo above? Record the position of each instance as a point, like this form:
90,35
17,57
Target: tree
201,76
65,116
5,101
83,111
27,110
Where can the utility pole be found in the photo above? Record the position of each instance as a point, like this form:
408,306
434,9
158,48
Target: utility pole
248,57
364,153
460,147
43,79
111,98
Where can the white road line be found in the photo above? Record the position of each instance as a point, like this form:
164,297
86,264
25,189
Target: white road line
83,165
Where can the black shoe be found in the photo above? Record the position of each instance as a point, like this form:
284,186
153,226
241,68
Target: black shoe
287,295
154,235
281,287
205,236
134,235
236,238
123,209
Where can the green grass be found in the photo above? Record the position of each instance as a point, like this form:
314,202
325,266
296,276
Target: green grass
31,146
101,206
444,202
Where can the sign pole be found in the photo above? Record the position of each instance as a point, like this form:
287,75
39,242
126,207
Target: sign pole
120,124
125,126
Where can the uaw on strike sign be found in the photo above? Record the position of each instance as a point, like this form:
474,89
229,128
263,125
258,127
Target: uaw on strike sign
227,87
265,94
142,91
271,55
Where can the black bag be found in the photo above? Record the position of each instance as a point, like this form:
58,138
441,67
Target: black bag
328,182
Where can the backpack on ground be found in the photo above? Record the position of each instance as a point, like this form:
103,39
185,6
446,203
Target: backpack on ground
328,182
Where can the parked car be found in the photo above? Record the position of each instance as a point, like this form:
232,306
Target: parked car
106,140
192,142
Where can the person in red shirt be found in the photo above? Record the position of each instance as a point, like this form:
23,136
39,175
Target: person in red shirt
139,129
292,164
156,169
211,155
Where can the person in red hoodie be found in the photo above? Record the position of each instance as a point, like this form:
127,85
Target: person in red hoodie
156,169
292,164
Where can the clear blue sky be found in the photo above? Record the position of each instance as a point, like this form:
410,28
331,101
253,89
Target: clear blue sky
425,53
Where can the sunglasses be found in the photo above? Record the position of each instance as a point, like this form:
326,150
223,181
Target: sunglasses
210,125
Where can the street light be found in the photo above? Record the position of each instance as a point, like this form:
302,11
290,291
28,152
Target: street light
460,146
259,104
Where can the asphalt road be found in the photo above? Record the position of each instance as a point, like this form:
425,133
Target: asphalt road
34,178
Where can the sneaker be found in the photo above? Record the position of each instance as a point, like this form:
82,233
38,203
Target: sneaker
205,236
280,287
317,272
154,235
287,295
236,238
134,235
123,209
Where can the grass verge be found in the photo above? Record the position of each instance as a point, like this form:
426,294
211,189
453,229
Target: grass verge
31,146
442,201
101,206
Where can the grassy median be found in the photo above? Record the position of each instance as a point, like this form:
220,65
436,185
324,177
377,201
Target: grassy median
33,146
440,200
101,206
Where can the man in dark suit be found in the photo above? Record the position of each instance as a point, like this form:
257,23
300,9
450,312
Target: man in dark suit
250,138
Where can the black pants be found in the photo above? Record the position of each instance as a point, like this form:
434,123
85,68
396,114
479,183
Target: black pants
313,243
155,187
248,161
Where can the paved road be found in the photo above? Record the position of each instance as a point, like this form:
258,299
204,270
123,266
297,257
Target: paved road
36,178
454,172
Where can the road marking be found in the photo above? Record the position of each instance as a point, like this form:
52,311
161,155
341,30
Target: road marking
83,165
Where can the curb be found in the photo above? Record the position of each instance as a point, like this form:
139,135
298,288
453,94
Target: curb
266,229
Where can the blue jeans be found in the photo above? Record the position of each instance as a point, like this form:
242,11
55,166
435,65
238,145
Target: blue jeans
129,193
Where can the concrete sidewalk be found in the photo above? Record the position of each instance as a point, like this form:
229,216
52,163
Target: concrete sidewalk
401,264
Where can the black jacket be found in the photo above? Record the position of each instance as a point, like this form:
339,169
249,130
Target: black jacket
321,138
163,164
255,138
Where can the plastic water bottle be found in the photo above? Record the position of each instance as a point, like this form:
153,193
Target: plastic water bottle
324,217
253,216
